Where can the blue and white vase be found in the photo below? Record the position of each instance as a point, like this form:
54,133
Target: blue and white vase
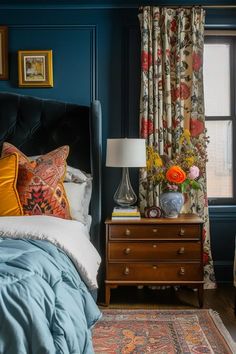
171,204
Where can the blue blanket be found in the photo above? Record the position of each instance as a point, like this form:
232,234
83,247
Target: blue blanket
44,305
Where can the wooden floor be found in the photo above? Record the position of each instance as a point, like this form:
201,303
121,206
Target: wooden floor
220,300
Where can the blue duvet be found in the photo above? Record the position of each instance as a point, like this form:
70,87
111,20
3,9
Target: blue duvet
44,305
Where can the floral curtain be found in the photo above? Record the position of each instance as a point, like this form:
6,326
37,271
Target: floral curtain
172,99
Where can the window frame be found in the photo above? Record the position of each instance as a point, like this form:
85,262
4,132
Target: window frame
224,37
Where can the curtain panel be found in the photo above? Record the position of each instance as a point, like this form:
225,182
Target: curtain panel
172,99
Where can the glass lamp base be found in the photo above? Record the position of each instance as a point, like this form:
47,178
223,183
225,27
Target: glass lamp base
125,196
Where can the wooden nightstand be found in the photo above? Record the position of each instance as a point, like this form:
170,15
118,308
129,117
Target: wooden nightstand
154,252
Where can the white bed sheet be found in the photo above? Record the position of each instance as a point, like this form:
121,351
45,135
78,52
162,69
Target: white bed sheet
69,235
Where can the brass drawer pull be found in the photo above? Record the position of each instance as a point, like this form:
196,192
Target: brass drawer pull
181,250
154,230
154,267
182,271
127,250
127,232
126,271
182,232
154,246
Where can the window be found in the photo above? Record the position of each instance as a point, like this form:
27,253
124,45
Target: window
219,68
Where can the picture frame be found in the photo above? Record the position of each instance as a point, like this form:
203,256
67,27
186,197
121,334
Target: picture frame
35,68
3,53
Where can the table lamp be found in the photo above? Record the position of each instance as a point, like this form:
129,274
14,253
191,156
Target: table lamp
125,153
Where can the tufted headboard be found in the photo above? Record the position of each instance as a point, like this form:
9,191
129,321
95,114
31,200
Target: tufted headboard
37,126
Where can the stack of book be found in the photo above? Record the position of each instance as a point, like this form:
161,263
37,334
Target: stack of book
126,213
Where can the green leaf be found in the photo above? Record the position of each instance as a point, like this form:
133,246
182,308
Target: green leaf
184,185
195,185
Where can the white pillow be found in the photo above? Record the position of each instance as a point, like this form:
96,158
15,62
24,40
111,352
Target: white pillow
75,175
79,210
79,196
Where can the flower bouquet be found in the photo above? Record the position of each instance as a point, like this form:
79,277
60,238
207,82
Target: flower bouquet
180,174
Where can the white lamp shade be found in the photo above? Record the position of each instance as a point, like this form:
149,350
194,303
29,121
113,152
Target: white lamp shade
126,153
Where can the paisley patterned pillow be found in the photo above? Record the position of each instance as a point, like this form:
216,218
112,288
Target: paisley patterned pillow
40,182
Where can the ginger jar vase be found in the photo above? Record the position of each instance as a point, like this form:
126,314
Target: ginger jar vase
171,203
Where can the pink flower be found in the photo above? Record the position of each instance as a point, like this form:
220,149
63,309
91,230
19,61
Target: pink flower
193,172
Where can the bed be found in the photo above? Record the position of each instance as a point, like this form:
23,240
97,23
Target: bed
49,252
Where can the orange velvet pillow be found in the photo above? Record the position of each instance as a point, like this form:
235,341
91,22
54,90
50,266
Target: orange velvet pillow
9,199
40,182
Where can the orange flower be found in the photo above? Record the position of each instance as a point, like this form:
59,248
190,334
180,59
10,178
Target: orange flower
175,174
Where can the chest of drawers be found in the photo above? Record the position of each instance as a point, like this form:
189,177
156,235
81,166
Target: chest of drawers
154,252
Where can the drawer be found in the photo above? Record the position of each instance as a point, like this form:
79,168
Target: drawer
155,272
173,231
151,251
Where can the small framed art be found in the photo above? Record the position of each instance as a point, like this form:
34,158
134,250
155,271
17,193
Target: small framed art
35,68
3,53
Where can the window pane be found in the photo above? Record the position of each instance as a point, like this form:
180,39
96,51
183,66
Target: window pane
219,166
216,71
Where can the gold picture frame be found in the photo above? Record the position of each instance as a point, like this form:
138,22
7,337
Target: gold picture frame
3,53
35,68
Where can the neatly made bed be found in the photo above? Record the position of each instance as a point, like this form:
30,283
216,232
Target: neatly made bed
48,264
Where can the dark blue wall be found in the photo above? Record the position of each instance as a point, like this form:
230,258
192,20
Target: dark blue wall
96,54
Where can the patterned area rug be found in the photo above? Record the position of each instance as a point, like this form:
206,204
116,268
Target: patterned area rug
161,332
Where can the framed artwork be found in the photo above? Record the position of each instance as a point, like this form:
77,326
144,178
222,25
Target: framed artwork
35,68
3,53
